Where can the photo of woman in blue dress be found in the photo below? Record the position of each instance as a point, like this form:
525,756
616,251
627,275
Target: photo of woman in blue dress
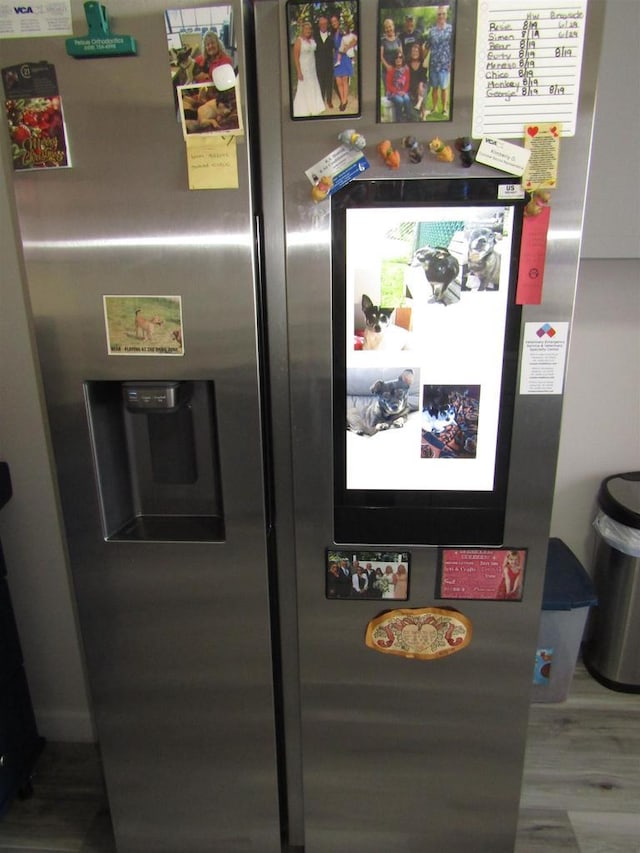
345,43
323,40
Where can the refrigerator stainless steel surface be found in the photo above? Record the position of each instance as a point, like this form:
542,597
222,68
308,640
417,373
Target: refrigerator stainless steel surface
221,675
398,754
177,634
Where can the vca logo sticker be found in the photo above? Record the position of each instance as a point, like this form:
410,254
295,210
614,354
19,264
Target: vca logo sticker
23,10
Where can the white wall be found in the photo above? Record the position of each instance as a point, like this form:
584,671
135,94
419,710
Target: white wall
600,431
601,415
612,221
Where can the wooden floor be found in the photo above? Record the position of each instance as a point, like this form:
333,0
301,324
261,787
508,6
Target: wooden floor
581,791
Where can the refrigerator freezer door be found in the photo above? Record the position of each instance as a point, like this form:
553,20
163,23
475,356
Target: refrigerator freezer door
177,634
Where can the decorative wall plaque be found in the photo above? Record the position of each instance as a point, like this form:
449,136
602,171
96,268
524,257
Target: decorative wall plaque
423,633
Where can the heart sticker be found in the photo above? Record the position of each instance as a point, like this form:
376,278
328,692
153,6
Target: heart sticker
532,131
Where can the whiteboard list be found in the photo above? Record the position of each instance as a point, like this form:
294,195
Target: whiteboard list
528,62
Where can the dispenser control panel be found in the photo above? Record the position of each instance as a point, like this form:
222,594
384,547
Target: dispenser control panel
164,396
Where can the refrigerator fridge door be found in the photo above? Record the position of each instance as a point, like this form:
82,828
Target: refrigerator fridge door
159,456
400,754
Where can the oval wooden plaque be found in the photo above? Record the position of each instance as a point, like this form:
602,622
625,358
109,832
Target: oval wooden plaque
423,633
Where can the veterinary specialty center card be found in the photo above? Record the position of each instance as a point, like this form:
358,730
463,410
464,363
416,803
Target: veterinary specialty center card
426,304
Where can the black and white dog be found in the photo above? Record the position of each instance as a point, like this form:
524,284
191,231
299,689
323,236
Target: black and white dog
388,408
376,321
437,410
440,269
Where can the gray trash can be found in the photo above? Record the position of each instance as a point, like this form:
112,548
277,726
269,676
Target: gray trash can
612,651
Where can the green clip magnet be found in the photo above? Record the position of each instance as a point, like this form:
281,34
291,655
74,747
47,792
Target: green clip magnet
100,41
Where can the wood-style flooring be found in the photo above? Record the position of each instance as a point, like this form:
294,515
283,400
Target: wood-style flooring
581,791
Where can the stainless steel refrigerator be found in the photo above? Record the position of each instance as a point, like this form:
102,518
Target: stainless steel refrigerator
204,489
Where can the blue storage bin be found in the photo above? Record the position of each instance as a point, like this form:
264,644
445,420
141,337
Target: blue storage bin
568,594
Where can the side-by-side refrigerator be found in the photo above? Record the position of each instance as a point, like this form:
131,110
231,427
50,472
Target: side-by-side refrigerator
305,461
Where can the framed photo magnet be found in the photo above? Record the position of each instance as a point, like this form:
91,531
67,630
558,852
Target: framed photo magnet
481,573
143,325
324,64
415,62
370,575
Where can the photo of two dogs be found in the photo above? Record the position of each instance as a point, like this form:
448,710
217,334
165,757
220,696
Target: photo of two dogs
449,414
140,325
146,326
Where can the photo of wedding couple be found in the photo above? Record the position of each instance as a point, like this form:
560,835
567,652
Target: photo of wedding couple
323,68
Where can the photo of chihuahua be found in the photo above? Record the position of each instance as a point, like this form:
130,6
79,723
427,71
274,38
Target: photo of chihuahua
376,320
450,421
386,407
380,332
145,327
440,269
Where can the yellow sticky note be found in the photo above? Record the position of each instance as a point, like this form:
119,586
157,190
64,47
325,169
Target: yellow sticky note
212,162
543,140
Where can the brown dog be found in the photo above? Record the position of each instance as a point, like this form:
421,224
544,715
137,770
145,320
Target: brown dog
145,327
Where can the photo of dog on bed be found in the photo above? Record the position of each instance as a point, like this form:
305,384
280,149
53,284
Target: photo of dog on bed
450,421
380,399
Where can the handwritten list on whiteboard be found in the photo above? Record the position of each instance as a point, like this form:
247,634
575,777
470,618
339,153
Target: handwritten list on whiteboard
528,62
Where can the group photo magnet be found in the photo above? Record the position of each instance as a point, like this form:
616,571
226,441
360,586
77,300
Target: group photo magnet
324,59
416,61
371,575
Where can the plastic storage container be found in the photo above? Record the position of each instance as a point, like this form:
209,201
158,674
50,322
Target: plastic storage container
612,650
568,594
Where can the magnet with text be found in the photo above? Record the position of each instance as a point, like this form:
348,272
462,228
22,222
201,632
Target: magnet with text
422,633
495,574
143,325
543,359
100,42
543,140
503,155
34,113
336,170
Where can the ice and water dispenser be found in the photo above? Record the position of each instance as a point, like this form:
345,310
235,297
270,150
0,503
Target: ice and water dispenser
156,459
